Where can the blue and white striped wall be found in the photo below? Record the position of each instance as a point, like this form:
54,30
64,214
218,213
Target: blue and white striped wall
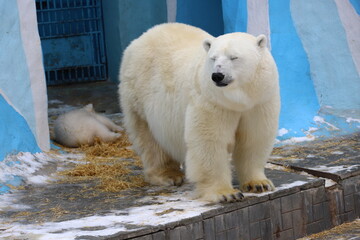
23,97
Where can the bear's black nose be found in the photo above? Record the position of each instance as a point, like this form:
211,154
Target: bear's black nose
217,77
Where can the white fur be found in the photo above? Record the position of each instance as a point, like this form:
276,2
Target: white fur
82,126
174,112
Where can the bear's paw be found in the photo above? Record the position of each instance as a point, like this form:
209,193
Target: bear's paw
166,177
231,195
258,186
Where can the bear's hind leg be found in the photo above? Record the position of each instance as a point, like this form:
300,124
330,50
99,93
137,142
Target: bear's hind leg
108,123
159,168
104,133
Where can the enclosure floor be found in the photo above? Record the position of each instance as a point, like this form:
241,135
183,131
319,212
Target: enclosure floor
317,188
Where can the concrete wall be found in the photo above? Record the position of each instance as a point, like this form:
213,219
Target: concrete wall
125,20
23,98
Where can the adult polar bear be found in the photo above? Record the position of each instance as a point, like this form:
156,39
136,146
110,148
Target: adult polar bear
187,96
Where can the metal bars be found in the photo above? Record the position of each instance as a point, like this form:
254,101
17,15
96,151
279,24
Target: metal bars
72,39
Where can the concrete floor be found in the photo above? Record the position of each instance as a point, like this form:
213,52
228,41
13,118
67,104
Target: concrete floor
103,95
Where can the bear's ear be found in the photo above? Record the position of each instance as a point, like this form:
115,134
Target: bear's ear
89,107
261,41
207,44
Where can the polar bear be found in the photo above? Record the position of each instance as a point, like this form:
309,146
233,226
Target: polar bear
81,127
210,103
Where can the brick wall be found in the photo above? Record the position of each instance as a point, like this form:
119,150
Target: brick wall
279,216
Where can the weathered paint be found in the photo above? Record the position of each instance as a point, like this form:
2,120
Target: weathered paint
22,82
33,53
192,12
235,15
258,19
332,68
126,20
171,6
351,21
299,103
16,136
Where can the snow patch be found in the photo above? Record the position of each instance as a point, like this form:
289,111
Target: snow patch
334,169
311,130
329,182
282,132
161,212
290,185
321,120
337,153
350,119
24,165
295,140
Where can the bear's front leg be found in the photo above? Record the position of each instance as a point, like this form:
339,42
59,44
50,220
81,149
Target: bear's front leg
253,144
208,133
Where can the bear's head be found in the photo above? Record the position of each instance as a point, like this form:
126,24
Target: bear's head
232,59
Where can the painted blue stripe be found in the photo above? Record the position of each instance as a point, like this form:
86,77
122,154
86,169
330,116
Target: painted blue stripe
332,68
356,5
207,16
298,97
235,15
4,188
135,17
16,135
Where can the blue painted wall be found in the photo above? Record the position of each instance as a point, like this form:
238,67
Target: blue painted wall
125,20
299,102
235,15
16,135
209,19
356,5
333,71
17,127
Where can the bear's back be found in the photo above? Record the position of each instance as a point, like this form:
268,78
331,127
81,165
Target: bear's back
171,37
163,49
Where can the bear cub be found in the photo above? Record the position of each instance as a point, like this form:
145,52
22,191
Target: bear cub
82,127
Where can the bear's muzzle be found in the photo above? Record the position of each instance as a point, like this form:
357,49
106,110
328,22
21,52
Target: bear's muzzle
219,79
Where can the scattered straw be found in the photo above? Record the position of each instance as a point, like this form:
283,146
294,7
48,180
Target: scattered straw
96,170
340,230
108,164
57,212
119,148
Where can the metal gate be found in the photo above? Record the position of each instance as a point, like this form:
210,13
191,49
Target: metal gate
72,39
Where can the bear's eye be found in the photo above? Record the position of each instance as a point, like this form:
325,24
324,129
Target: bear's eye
213,58
233,58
